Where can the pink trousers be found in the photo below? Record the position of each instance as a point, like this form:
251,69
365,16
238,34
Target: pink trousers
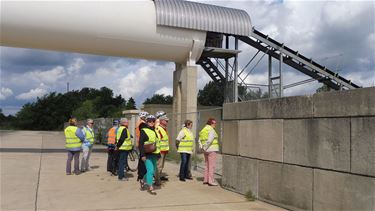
209,170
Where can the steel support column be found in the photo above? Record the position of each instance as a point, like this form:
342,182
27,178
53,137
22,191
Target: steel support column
281,88
226,84
235,82
270,76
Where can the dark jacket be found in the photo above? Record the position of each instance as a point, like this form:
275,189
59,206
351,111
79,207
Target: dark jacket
142,139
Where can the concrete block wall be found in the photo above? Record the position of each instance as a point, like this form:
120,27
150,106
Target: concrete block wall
303,153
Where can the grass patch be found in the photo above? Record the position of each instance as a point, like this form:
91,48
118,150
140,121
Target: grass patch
250,196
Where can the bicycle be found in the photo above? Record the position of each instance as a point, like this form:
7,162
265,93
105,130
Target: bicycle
133,159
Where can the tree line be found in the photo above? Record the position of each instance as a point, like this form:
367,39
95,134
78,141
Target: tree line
52,110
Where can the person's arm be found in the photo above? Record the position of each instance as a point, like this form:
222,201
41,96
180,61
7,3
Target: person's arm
80,134
211,137
160,136
142,139
180,136
122,138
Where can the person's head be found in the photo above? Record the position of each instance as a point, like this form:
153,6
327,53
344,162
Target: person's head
212,122
188,124
73,121
164,120
124,122
115,122
150,120
160,114
90,123
143,115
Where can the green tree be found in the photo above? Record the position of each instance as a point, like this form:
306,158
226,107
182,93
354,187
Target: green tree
6,122
130,104
2,116
159,99
323,88
212,94
52,110
85,111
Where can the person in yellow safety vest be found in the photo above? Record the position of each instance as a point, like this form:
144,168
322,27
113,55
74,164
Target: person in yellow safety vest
73,141
148,136
208,142
162,133
141,170
111,145
124,145
185,145
140,124
87,145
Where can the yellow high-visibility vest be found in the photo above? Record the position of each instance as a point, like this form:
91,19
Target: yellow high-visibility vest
164,140
71,140
186,143
203,136
152,138
127,145
89,135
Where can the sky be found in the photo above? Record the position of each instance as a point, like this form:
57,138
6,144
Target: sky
337,34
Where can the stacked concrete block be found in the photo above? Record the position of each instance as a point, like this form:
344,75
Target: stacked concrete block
304,153
363,146
230,177
247,175
291,107
241,110
323,143
240,174
230,137
359,102
261,139
340,191
288,186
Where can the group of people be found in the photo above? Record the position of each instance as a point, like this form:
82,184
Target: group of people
152,143
77,139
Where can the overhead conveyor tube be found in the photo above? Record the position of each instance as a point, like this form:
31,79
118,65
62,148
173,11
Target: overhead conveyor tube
124,29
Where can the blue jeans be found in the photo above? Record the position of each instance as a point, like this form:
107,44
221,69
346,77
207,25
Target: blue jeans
123,157
184,167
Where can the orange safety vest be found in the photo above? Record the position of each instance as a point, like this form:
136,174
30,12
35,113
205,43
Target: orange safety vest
112,135
138,132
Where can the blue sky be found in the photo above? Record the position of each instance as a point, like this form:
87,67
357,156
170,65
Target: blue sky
339,34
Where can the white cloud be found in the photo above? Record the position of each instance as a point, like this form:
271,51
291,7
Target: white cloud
165,91
49,76
76,66
143,78
5,92
136,82
32,94
362,79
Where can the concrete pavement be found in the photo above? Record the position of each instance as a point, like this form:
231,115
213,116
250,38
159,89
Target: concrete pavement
33,178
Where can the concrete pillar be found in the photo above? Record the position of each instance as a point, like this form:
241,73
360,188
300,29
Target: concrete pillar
184,96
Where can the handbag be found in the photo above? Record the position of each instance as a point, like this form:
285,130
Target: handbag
149,148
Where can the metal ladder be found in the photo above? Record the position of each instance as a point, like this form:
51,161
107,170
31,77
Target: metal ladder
211,69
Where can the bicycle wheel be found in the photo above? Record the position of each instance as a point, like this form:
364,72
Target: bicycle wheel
133,158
